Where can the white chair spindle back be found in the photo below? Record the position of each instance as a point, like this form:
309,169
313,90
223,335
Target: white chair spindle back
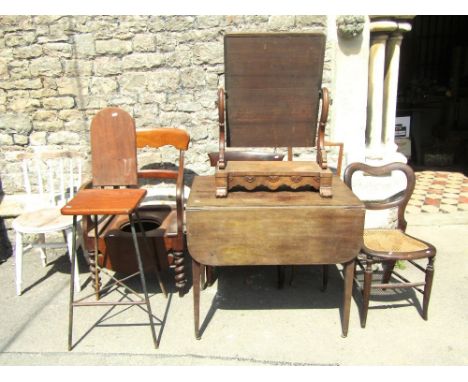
40,184
58,175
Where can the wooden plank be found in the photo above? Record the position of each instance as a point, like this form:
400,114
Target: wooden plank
113,148
271,236
273,82
268,227
104,202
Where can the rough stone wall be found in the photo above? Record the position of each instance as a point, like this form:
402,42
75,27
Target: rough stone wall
56,72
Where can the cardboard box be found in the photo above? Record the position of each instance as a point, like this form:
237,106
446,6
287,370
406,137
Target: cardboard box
402,127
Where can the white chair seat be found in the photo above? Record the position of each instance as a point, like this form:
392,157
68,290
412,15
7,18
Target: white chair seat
42,221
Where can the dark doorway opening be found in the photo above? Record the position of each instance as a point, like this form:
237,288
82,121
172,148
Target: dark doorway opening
433,91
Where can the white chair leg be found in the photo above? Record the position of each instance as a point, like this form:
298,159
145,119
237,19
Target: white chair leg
69,236
19,261
42,249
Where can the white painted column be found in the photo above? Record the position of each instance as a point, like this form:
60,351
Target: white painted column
375,95
390,91
392,66
384,63
384,57
348,87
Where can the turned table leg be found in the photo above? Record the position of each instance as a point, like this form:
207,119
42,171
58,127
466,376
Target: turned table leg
196,297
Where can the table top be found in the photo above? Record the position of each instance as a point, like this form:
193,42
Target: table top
122,201
202,196
273,227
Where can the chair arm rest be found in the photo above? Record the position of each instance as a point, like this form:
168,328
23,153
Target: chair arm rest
157,174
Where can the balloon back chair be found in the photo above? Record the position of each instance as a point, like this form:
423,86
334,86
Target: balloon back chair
387,246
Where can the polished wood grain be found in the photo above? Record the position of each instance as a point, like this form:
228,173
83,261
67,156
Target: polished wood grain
273,228
273,82
113,148
159,137
200,197
272,175
272,99
104,202
167,240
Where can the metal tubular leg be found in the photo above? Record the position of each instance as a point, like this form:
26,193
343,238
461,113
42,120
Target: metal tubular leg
97,283
72,284
142,278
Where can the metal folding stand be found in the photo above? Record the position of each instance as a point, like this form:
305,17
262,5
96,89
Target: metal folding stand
94,202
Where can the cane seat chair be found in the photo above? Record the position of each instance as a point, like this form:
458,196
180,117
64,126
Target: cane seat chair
115,164
51,178
273,91
387,246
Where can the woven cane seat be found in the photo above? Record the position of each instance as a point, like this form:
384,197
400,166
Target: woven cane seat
392,240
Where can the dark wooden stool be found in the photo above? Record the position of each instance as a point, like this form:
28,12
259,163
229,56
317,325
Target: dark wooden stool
94,202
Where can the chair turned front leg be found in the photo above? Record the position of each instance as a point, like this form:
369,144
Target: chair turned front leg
95,273
366,291
179,270
428,287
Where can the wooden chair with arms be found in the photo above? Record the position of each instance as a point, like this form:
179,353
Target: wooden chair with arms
387,246
116,165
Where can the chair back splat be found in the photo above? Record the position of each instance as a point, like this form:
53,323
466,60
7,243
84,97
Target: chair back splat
113,148
399,200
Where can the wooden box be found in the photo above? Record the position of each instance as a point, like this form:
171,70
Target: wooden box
273,175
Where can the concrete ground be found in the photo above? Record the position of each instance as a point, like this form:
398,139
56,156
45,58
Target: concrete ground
246,319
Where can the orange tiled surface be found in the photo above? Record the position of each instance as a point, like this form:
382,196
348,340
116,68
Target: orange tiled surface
440,192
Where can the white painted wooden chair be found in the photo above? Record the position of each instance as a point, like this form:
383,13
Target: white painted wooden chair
50,179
